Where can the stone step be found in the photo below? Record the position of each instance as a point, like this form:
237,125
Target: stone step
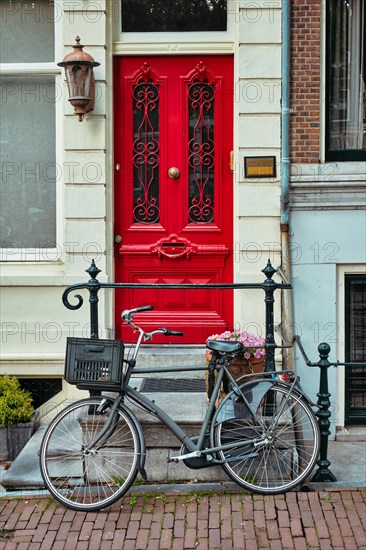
351,434
188,410
171,356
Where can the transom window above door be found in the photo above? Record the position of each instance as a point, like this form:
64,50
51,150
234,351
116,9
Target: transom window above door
163,27
174,15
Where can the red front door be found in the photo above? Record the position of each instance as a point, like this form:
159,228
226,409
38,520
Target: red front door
174,190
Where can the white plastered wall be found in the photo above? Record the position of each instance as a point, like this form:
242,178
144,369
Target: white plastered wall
35,323
257,116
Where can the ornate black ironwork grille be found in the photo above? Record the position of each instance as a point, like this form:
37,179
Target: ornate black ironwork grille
146,150
201,148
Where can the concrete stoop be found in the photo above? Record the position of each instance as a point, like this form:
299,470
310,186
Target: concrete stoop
351,434
187,409
170,356
347,454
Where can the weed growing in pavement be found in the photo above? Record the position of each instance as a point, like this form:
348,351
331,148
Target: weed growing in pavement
133,499
49,502
163,497
197,495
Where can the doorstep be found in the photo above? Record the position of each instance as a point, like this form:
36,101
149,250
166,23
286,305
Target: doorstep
351,433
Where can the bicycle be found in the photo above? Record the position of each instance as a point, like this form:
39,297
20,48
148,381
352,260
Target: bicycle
263,433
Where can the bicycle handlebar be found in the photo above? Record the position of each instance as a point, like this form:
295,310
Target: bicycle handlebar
168,332
128,314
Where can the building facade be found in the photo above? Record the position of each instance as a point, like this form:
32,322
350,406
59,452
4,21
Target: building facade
327,198
180,173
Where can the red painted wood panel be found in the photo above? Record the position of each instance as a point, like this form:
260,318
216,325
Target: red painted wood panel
175,112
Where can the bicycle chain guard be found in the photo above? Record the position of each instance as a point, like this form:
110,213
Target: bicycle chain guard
196,463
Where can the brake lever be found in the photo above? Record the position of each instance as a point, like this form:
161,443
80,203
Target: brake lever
126,315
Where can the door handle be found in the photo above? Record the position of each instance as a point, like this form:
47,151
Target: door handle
173,173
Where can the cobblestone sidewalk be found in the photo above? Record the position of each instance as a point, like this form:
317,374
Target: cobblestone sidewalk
304,521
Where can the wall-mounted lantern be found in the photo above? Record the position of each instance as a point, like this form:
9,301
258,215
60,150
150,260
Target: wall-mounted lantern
80,79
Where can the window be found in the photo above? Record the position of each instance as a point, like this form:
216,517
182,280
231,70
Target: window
346,80
28,98
173,15
355,301
27,31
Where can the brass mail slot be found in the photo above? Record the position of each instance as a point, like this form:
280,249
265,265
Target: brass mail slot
171,245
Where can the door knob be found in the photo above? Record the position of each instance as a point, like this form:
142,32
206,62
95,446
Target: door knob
118,239
173,173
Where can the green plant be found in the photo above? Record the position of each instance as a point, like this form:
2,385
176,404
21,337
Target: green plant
47,505
15,403
133,500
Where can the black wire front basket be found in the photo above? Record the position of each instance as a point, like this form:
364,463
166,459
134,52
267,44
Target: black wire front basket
94,364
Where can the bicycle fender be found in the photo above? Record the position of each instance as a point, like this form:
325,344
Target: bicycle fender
140,433
233,406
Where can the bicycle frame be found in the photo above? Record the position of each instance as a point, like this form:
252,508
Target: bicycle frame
196,448
153,408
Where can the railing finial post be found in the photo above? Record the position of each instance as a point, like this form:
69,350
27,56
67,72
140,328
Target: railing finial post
269,286
93,286
323,473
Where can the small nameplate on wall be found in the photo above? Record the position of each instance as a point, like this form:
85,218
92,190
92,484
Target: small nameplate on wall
260,167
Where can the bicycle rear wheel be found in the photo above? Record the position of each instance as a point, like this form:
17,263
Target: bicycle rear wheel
277,449
83,475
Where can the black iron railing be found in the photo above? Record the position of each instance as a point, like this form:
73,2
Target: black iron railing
269,286
323,413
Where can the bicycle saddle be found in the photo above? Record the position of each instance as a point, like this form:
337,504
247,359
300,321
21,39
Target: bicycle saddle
225,347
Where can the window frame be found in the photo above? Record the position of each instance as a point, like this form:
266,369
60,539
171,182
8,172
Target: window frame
126,43
344,155
42,255
355,415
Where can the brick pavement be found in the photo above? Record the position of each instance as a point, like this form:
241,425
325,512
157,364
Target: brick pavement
334,519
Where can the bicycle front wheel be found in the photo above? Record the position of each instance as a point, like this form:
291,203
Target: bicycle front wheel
277,449
84,472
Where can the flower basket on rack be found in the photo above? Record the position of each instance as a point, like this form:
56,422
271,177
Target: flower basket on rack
239,366
250,361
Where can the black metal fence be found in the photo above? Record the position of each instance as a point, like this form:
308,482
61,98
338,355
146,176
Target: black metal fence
323,413
269,286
